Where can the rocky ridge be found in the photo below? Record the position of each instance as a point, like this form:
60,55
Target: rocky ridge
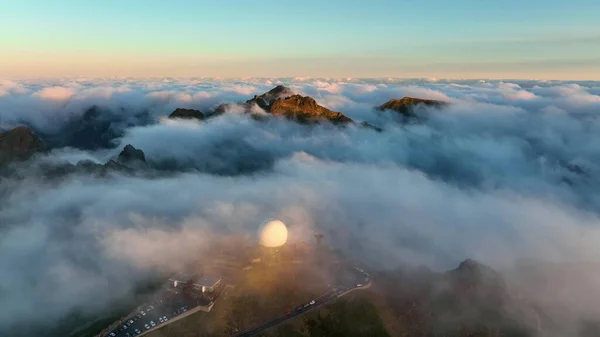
187,114
282,101
407,106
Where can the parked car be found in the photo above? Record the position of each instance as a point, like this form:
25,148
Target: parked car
152,323
146,326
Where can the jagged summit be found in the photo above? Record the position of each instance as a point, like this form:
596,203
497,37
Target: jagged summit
19,144
279,101
268,98
407,102
130,154
221,109
282,101
280,91
187,114
406,105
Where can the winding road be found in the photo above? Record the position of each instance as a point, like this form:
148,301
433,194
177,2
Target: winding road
327,297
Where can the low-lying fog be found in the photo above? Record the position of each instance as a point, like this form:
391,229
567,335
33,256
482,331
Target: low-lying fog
508,172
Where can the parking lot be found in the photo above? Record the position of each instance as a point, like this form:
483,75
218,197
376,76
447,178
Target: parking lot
153,315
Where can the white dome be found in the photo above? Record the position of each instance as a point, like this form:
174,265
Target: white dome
272,233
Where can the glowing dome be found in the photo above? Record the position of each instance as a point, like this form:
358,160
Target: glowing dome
272,233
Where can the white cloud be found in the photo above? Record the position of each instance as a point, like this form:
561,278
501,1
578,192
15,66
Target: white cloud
492,176
56,93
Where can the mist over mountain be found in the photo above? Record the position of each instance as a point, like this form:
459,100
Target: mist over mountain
503,172
19,144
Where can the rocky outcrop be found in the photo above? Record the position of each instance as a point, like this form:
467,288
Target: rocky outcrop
221,109
131,156
19,144
187,114
130,161
371,126
305,109
406,106
88,167
281,101
267,99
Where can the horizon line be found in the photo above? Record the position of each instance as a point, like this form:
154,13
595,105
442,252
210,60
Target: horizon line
301,78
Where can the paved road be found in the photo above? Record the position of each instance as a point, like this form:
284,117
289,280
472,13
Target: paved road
330,295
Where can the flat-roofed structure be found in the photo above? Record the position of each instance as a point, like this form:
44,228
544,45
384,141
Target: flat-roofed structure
208,284
204,283
180,279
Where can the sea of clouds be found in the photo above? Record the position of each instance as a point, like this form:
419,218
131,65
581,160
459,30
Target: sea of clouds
508,171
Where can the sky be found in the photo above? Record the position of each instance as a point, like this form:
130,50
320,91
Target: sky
542,39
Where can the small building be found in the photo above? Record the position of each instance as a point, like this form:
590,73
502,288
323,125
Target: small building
204,284
208,284
180,279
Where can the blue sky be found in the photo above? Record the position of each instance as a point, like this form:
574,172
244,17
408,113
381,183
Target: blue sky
230,38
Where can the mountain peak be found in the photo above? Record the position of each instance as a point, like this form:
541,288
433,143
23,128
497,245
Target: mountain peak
187,114
406,105
282,101
267,99
478,279
280,90
19,143
305,109
470,267
130,154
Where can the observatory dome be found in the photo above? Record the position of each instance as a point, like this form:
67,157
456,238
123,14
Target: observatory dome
272,233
